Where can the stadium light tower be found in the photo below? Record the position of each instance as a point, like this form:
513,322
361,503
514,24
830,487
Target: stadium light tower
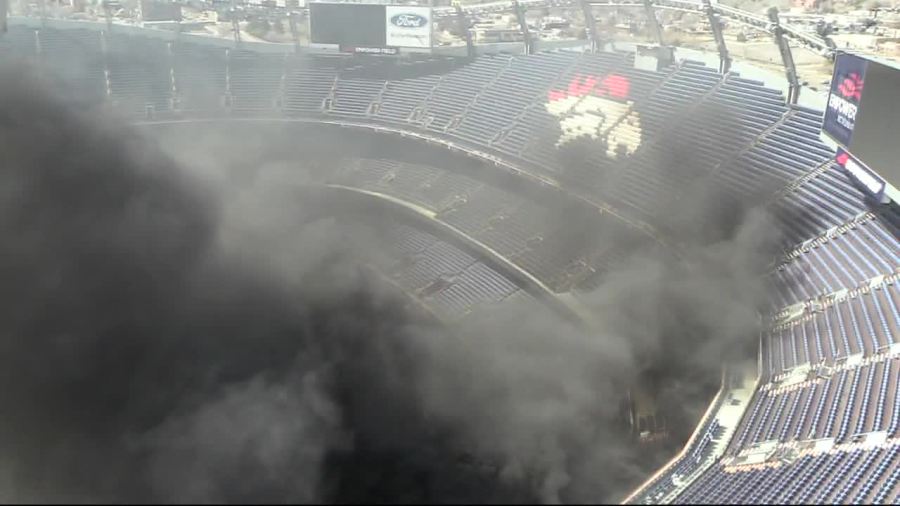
107,11
653,23
591,23
235,23
4,8
787,57
466,26
715,24
523,25
295,32
42,8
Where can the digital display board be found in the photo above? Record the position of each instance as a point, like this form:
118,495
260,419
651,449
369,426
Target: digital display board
155,10
4,7
370,28
349,25
596,108
862,115
876,138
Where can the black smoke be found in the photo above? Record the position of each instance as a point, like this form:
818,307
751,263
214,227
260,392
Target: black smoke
180,324
163,343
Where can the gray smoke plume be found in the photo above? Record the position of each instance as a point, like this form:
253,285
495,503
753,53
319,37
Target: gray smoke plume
158,343
179,323
540,395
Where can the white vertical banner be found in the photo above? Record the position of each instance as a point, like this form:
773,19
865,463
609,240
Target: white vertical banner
408,26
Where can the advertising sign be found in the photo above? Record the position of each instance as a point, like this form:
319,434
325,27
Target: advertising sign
408,26
843,102
369,50
870,181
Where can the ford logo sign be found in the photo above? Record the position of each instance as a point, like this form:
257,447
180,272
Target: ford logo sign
409,20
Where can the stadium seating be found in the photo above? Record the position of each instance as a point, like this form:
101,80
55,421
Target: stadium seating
830,373
254,81
518,229
839,476
844,403
75,61
864,324
199,79
450,281
19,41
142,85
308,84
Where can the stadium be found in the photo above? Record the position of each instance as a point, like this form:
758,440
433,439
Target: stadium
732,256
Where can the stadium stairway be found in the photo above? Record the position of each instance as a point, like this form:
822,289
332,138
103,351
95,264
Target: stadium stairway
708,442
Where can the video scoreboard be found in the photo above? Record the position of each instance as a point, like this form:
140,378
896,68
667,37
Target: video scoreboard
370,28
862,122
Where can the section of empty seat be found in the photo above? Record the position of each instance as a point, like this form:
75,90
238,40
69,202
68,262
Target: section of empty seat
140,75
836,403
449,281
499,104
401,97
782,156
477,284
19,42
862,250
254,81
355,97
420,184
75,62
453,94
502,104
852,475
693,141
308,83
511,225
865,322
199,78
824,201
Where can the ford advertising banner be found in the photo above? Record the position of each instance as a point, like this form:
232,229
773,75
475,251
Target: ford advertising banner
408,26
843,102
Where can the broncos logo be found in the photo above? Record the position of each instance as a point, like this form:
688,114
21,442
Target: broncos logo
598,108
851,86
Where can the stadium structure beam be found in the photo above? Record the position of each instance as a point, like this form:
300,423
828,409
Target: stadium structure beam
800,37
295,33
107,12
466,26
523,26
42,11
4,9
787,57
235,23
653,23
591,23
715,24
811,42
